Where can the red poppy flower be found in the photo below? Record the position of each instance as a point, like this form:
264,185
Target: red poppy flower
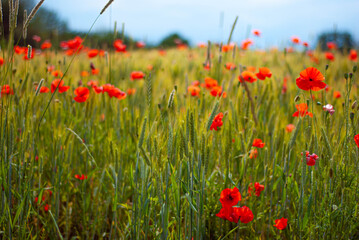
257,33
295,40
97,89
246,44
81,177
311,79
26,54
290,127
44,89
247,76
1,61
46,45
114,92
258,143
57,73
7,90
302,110
82,94
336,94
234,214
245,214
216,91
353,55
59,84
92,53
230,197
305,44
84,74
140,44
209,83
263,73
95,71
331,45
194,90
329,56
230,66
75,44
206,66
19,50
137,75
253,153
119,46
217,122
281,224
46,207
356,139
226,48
92,83
131,91
311,158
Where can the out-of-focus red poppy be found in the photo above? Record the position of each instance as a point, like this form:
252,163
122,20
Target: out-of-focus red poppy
140,44
131,91
162,52
226,48
305,44
331,45
6,90
119,46
311,158
256,33
92,83
353,55
81,177
295,40
217,122
263,73
136,75
95,71
75,44
46,45
60,85
82,94
1,61
44,89
97,89
234,214
36,38
92,53
194,90
258,143
302,110
251,69
206,66
230,66
216,91
230,197
253,153
336,94
46,207
289,128
149,67
209,83
19,50
246,44
281,224
57,73
84,74
201,45
247,76
329,56
356,140
28,56
182,46
311,79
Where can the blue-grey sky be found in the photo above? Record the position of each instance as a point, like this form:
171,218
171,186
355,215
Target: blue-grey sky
199,21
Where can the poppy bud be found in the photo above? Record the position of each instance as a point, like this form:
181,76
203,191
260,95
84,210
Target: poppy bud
351,116
350,75
331,173
13,71
297,98
255,97
346,75
354,104
319,103
355,68
225,113
20,80
326,67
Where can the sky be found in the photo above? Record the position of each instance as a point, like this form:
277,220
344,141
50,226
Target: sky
200,21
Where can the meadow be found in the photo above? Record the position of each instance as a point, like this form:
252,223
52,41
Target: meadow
209,142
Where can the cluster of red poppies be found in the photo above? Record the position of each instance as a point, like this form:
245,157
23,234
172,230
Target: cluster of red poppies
45,199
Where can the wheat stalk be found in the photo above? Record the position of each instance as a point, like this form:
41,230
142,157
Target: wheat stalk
32,13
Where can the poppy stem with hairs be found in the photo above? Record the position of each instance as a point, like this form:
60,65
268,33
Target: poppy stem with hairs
249,96
69,65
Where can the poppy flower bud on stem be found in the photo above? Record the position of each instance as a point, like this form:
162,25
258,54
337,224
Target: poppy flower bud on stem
297,98
354,104
326,67
355,68
350,75
351,116
346,75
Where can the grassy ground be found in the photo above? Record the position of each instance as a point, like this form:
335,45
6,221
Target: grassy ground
154,169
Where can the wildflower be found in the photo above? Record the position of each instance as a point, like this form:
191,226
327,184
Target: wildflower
353,55
137,75
97,89
331,45
305,44
82,94
281,224
247,76
217,91
74,44
226,48
7,90
57,73
92,83
206,66
258,143
329,108
1,61
253,153
258,189
230,66
234,214
209,83
46,45
131,91
46,207
81,177
230,197
59,84
257,33
263,73
295,40
246,44
245,214
44,89
311,79
302,110
217,122
336,94
36,38
310,158
119,46
84,74
140,44
290,127
92,53
194,90
329,56
356,139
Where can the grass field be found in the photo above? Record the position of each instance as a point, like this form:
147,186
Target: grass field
128,156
